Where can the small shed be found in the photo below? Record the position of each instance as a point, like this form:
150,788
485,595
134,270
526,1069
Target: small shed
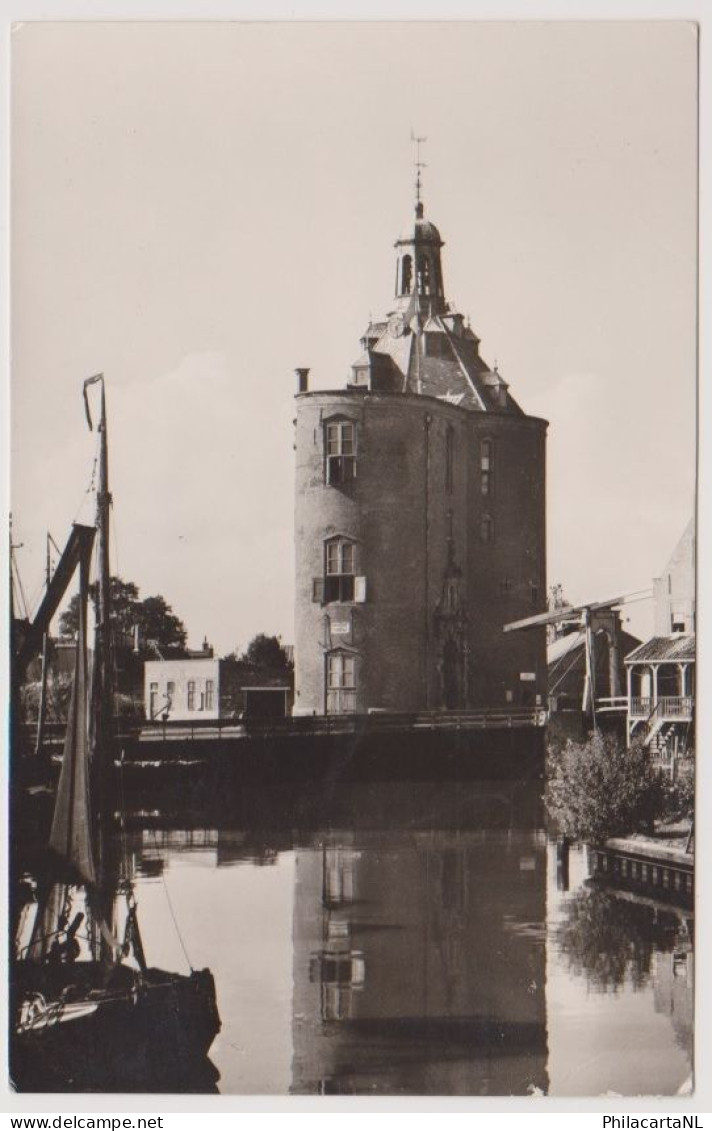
266,702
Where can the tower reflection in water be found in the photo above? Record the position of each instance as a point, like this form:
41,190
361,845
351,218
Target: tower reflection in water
419,939
419,964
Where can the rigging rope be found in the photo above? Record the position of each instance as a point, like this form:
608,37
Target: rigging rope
171,909
18,585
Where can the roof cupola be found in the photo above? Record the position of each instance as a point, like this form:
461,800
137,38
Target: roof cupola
419,278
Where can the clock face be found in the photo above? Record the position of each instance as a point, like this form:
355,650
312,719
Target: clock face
396,325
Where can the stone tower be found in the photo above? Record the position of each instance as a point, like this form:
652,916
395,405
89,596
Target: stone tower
419,516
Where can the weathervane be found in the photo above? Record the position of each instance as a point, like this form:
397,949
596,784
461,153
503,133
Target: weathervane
418,163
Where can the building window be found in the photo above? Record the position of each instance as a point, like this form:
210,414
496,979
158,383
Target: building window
486,467
407,275
339,572
534,593
191,694
170,694
209,694
423,275
505,585
437,345
153,700
341,671
449,458
486,528
340,452
340,683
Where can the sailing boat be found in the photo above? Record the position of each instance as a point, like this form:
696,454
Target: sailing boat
87,1012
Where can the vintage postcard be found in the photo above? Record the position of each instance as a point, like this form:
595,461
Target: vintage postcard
353,686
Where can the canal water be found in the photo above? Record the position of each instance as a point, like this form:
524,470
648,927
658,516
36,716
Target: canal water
413,938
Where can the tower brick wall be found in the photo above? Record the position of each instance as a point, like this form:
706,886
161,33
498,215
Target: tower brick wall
420,525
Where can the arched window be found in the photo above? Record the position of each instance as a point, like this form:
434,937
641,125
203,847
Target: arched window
340,682
406,275
339,570
340,448
423,275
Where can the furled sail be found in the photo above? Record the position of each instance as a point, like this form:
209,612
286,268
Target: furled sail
71,835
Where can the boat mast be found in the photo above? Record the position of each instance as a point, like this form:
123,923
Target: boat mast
42,707
103,680
103,509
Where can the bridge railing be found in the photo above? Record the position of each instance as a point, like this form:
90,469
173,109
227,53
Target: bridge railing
376,722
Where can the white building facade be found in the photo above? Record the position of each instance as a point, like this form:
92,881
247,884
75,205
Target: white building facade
182,690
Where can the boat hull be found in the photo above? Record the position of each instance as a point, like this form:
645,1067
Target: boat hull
134,1034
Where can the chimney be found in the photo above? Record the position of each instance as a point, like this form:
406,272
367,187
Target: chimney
302,380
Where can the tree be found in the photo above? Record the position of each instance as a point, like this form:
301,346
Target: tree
612,940
599,789
265,652
157,621
124,601
153,616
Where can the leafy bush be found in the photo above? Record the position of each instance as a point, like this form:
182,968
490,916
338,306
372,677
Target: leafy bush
680,794
598,789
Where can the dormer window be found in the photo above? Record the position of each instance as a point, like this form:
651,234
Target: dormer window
340,444
437,345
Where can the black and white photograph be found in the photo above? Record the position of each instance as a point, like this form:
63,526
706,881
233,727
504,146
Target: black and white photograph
353,380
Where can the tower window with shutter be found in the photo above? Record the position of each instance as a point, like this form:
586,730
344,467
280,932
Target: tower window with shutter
339,582
339,570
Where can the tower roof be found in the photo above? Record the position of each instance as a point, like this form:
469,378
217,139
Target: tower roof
424,346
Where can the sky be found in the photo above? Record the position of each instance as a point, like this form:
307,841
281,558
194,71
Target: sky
197,209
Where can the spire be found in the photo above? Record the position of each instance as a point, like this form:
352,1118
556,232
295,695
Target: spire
419,281
418,141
